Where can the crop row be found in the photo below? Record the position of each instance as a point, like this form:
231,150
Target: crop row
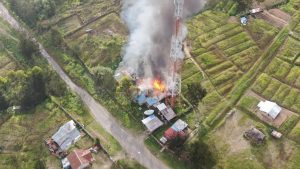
283,94
290,50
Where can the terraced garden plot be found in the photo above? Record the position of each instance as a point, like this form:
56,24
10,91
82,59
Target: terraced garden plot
6,63
103,46
68,25
209,59
292,6
295,133
261,32
279,68
290,50
283,94
189,69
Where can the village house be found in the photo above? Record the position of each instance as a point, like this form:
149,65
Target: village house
152,123
66,135
78,159
166,111
270,108
176,130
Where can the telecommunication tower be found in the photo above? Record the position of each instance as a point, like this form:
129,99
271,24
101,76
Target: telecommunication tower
176,53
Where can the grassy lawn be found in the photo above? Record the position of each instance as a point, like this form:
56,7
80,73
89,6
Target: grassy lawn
22,136
167,157
109,143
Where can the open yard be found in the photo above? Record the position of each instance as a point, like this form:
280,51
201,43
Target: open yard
235,152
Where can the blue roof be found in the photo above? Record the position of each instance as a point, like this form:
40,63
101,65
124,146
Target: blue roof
244,20
141,98
151,101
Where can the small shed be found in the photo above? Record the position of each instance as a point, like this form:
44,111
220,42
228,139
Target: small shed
166,111
276,134
152,123
255,135
244,20
67,135
271,108
256,10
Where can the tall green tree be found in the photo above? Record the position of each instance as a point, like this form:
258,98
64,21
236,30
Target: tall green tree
55,86
56,38
200,155
35,90
104,77
27,47
195,93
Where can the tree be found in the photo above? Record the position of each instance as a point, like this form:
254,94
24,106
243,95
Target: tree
56,38
244,4
27,47
104,77
200,155
55,86
195,93
35,90
125,87
3,103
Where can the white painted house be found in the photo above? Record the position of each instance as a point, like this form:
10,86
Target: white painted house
271,108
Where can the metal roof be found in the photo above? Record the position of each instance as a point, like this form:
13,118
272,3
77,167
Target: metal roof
66,135
152,123
179,125
271,108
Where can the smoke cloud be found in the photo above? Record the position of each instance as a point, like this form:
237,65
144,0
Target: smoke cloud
151,25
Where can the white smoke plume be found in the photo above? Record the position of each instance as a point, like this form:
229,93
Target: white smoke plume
151,25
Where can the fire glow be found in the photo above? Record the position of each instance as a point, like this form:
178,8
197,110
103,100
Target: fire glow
159,85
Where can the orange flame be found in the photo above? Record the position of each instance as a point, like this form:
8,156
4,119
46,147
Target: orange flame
159,85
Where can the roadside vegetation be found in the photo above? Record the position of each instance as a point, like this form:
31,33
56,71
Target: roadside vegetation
228,62
31,100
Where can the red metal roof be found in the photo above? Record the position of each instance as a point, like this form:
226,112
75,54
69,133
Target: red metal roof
80,158
170,134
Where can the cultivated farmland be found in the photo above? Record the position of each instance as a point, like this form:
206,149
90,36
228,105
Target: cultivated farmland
241,66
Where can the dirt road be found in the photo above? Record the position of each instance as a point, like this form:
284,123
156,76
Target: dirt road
132,144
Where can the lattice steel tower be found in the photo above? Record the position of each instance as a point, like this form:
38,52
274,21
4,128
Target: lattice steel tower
176,53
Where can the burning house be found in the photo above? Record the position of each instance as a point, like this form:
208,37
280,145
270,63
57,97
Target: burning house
154,54
166,111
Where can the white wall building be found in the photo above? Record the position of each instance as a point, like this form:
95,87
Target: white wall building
271,108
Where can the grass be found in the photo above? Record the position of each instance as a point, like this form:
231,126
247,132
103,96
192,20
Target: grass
242,161
289,124
208,60
291,98
295,133
294,161
261,83
271,89
261,32
129,164
248,102
290,50
293,75
32,127
281,93
189,69
166,157
109,143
